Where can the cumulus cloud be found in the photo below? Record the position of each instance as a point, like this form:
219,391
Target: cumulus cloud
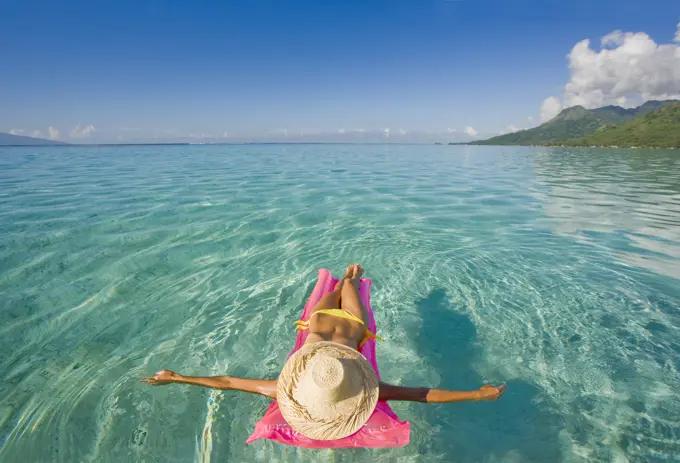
613,39
677,34
550,108
630,68
530,118
83,131
36,134
386,132
470,131
451,130
52,132
16,131
402,132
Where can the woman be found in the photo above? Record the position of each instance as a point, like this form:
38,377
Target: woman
327,389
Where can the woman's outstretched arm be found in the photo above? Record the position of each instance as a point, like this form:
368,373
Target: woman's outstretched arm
266,387
429,395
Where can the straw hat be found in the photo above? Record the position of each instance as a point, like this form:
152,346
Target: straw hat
327,391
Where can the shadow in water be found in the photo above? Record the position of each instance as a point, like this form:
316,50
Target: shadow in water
512,429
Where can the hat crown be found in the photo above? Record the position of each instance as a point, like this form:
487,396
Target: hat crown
327,372
328,380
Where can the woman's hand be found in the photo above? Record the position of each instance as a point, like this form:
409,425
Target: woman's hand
161,377
489,392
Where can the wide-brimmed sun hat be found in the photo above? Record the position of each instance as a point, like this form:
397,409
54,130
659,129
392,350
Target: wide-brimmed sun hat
327,391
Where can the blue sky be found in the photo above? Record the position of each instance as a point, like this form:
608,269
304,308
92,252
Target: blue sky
168,70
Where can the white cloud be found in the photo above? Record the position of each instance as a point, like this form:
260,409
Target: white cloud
470,131
225,135
36,134
82,131
402,132
530,118
451,130
386,132
629,68
53,133
510,129
677,33
341,131
550,108
205,135
613,39
16,131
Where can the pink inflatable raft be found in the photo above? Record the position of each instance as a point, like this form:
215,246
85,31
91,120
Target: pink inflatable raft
383,429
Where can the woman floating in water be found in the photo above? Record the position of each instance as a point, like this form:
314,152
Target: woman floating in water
327,389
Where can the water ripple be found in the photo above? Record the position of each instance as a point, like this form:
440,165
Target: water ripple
554,270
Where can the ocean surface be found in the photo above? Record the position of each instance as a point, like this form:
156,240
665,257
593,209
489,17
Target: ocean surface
556,271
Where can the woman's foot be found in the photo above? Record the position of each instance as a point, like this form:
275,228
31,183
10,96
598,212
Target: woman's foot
357,273
349,273
347,276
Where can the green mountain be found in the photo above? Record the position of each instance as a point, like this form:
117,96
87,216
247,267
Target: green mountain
656,129
617,115
572,123
7,139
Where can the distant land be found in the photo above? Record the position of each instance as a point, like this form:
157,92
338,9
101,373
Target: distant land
657,129
7,139
578,126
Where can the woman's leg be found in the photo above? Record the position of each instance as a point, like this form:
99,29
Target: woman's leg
331,300
350,297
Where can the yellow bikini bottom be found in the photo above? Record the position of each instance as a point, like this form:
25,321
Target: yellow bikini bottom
304,324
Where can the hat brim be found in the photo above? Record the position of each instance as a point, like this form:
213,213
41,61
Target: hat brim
349,415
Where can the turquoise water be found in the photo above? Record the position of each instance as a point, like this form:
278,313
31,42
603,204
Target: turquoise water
556,271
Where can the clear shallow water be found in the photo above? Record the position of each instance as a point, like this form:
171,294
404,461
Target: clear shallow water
556,271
